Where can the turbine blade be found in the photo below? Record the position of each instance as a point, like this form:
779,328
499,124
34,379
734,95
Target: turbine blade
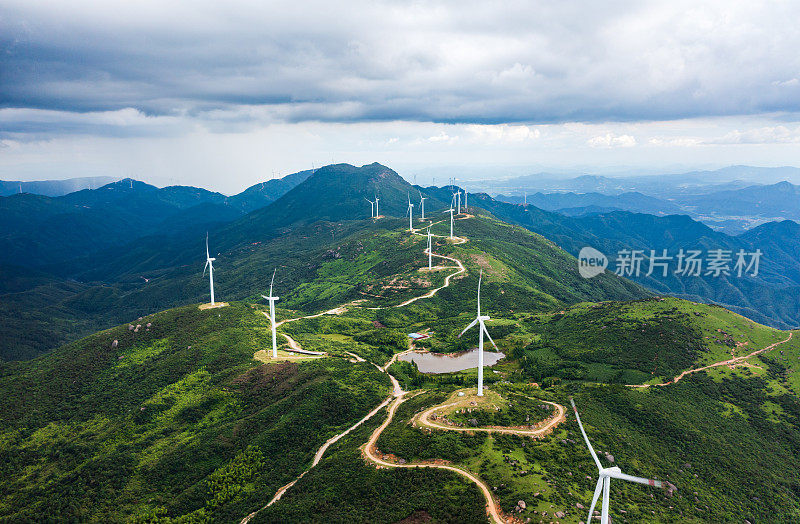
207,255
273,281
485,332
205,267
631,478
583,432
468,327
597,491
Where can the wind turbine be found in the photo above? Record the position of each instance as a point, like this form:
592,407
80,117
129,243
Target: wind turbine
465,200
430,249
458,198
371,207
422,204
210,266
606,474
410,214
377,214
479,321
451,220
272,301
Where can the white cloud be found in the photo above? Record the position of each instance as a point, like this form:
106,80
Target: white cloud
609,140
763,135
794,82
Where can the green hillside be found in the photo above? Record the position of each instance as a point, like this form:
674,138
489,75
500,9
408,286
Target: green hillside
177,419
177,422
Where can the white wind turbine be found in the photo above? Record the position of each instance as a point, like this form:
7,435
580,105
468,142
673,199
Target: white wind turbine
210,266
479,321
430,249
272,301
422,204
451,220
606,474
458,198
410,214
465,201
377,214
371,207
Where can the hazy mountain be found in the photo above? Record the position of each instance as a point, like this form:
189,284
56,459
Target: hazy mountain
773,297
53,187
631,201
781,200
663,186
39,231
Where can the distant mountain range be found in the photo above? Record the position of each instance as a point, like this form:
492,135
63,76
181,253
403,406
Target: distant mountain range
732,208
53,187
632,201
773,297
41,231
662,185
73,264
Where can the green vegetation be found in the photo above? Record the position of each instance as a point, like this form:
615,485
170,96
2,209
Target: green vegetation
650,340
174,420
169,418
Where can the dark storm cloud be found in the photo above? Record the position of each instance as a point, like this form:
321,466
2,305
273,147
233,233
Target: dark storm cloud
454,62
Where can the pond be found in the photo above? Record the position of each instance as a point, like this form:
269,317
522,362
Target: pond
449,363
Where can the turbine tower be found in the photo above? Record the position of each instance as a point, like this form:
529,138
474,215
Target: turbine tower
422,204
377,214
371,207
465,201
210,266
479,321
430,249
451,220
458,199
606,474
272,301
410,214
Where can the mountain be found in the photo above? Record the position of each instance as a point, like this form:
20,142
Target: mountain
770,297
263,194
178,414
298,232
631,201
781,200
53,188
664,186
172,417
43,232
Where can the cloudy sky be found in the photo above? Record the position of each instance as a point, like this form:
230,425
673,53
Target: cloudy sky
226,94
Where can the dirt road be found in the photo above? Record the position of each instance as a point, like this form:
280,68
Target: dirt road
730,362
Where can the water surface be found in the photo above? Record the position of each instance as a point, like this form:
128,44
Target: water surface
449,363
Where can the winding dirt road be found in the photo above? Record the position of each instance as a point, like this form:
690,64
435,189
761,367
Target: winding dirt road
730,362
398,396
371,453
423,419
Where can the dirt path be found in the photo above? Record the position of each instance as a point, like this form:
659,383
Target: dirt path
423,419
398,395
394,358
371,453
730,362
318,456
